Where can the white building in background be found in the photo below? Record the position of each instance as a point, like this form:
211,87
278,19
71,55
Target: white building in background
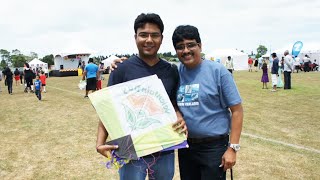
69,61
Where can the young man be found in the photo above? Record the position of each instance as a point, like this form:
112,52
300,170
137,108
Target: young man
91,73
274,72
148,36
210,103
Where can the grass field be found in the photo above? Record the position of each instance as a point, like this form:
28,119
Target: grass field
55,138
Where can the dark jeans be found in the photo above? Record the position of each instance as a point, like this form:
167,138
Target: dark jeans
287,79
38,94
9,84
201,160
160,167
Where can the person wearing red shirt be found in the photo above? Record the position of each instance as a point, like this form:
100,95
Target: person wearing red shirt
250,62
43,81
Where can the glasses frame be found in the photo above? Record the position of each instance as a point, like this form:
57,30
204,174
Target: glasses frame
145,35
189,46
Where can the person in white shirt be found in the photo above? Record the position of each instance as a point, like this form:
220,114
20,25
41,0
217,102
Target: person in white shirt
296,64
306,61
288,65
229,64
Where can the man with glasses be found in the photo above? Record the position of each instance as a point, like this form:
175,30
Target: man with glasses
148,36
211,106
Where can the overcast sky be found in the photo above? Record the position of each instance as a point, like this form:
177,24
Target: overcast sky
101,26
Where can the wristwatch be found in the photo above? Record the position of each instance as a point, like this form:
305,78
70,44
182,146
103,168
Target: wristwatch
235,147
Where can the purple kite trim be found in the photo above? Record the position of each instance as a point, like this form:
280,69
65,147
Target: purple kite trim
184,144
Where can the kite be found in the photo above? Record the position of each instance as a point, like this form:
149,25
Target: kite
138,116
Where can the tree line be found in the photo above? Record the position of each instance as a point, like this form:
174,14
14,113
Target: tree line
16,58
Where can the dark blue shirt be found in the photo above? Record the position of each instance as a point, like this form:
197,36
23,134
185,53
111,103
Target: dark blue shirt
275,66
135,68
37,84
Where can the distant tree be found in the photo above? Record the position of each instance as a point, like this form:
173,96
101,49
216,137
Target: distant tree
16,52
33,55
3,64
18,60
261,50
5,55
49,59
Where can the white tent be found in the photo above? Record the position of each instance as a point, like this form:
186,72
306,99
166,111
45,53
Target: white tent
266,55
109,60
36,63
240,59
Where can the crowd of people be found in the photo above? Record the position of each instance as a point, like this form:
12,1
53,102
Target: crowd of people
277,67
25,78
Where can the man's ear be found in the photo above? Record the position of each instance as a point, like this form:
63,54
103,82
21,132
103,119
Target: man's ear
135,36
200,46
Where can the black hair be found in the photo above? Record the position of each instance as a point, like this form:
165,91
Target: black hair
27,65
274,55
142,19
264,65
185,32
90,59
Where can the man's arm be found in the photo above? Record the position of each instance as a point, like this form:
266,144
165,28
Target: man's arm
84,75
101,147
180,125
229,157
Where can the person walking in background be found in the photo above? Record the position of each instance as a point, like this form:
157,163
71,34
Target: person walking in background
83,65
28,76
21,77
250,62
260,62
16,76
0,80
315,65
280,72
9,79
306,61
274,72
229,64
91,74
256,64
37,86
100,78
264,78
288,65
43,79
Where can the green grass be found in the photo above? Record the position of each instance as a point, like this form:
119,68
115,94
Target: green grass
55,138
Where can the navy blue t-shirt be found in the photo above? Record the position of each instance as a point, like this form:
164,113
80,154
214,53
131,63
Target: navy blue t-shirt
135,68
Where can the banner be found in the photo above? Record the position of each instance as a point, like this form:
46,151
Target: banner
296,48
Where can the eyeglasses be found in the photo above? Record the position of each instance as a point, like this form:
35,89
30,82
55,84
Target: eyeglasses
145,35
191,45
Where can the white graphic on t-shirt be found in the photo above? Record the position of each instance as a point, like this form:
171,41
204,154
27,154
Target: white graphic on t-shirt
188,95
